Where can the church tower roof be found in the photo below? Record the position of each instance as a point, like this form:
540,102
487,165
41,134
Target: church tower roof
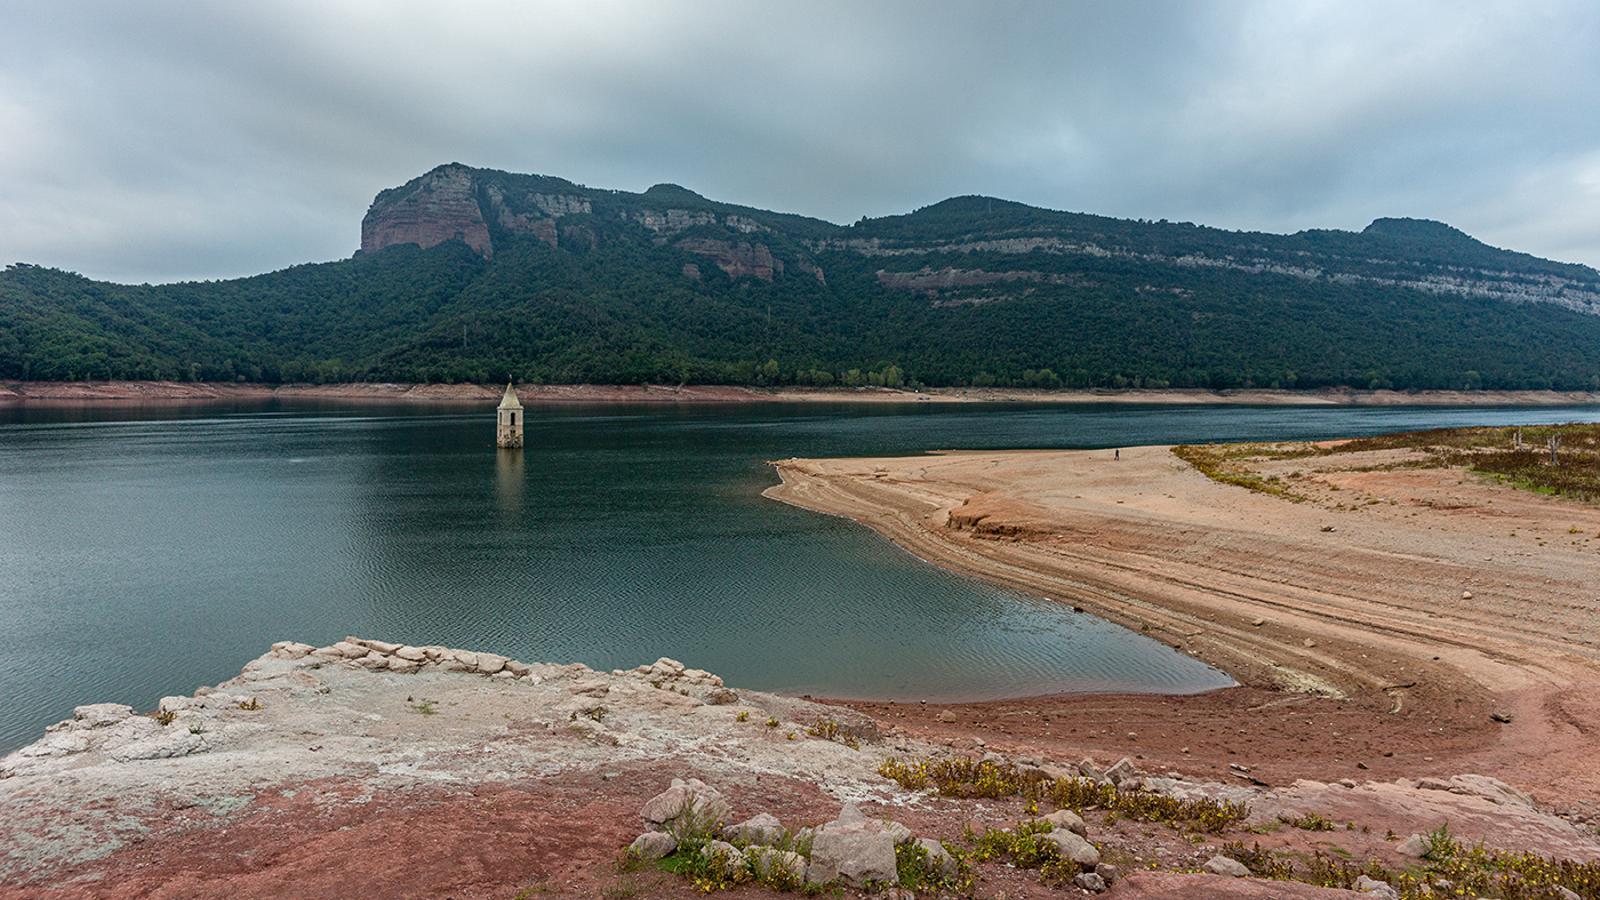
510,401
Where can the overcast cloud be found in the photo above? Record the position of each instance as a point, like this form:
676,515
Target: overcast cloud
158,141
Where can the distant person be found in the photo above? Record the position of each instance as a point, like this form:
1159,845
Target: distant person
1117,453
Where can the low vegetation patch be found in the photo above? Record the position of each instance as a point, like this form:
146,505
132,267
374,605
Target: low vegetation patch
1559,460
1228,464
969,778
1448,869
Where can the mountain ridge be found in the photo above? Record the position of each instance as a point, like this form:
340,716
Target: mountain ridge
467,274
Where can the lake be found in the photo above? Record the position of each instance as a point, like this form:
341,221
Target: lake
146,551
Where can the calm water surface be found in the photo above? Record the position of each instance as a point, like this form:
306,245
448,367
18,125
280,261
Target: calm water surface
146,552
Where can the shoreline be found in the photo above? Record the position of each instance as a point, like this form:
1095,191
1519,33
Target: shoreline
48,393
1340,619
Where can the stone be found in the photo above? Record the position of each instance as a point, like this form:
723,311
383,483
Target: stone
721,697
413,654
1372,887
1108,873
898,832
693,797
373,660
762,828
1090,882
946,715
1067,820
1566,893
1122,771
653,845
518,669
383,647
769,863
101,715
292,650
666,668
1089,770
725,855
1074,847
490,663
350,651
854,849
1223,865
1415,846
940,862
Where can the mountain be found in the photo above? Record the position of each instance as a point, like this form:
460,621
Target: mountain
474,274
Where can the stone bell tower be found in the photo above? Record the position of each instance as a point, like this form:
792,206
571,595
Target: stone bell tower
508,424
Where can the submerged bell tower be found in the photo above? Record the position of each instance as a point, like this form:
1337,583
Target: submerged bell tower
508,424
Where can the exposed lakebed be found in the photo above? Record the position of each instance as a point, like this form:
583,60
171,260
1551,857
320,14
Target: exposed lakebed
149,550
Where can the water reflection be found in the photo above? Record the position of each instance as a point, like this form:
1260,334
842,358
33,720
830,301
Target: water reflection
508,479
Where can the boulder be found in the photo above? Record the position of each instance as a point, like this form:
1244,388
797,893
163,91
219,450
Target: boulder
853,849
1090,882
897,832
383,647
1067,820
1372,887
653,845
101,715
724,855
413,654
490,663
693,797
1124,770
940,862
721,696
1074,847
762,828
349,650
1223,865
784,864
1108,873
1415,847
291,650
518,669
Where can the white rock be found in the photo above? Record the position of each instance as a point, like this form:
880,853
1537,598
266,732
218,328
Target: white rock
490,663
853,850
767,861
939,859
1074,847
762,828
413,654
1372,887
724,854
100,715
1067,820
1222,865
693,796
653,845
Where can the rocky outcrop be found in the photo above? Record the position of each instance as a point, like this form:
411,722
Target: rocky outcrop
440,206
738,259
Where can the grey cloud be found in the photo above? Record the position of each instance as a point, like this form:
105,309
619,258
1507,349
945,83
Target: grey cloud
157,141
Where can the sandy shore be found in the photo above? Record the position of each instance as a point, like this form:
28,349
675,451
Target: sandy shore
119,392
1376,627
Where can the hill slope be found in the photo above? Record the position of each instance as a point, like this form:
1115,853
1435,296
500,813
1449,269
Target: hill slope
473,274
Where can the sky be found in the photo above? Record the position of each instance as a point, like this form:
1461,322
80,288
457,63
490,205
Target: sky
152,141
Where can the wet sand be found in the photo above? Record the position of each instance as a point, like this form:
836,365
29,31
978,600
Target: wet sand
1375,628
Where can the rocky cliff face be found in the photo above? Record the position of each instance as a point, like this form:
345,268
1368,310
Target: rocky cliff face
440,206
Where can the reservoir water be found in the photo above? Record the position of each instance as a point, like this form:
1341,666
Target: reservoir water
147,551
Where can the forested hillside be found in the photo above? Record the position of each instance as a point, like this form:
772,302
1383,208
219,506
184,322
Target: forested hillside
472,275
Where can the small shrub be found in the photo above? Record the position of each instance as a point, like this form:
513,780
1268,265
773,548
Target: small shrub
164,717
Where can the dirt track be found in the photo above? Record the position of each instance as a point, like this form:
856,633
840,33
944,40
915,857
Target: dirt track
1393,612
